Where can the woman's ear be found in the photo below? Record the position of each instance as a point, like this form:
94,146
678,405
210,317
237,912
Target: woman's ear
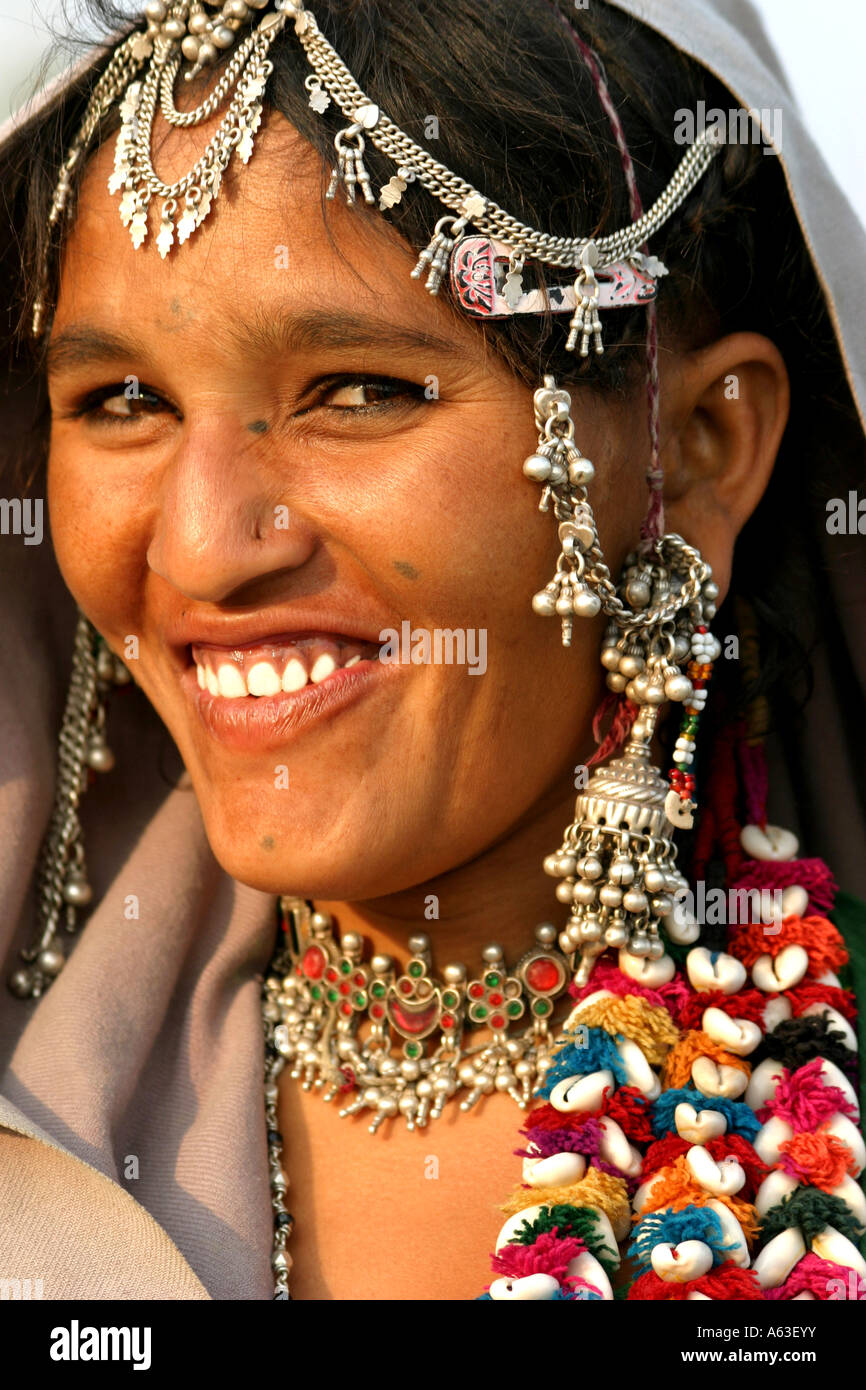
724,410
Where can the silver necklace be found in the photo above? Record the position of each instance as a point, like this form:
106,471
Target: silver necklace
422,1044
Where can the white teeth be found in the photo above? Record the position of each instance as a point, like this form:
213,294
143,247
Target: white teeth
233,681
294,676
230,681
322,667
262,679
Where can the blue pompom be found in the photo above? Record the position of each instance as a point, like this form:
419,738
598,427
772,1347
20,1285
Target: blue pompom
671,1227
592,1050
741,1118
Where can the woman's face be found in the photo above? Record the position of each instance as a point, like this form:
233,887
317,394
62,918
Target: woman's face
319,450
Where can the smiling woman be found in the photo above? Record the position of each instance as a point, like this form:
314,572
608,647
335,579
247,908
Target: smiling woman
278,424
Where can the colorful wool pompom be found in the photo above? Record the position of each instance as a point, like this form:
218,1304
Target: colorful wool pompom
805,1100
691,1046
671,1228
741,1119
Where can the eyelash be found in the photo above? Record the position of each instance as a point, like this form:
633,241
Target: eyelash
91,406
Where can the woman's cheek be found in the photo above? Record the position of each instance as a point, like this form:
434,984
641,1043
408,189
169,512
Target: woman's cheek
97,528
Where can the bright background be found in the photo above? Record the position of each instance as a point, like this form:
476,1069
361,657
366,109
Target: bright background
822,47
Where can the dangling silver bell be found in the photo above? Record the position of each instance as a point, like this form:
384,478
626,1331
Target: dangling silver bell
21,983
50,962
77,891
99,756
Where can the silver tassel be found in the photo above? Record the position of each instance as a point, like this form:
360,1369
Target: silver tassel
61,879
437,253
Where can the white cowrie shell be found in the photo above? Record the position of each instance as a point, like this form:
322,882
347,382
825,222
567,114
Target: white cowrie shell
581,1092
695,1296
830,1244
647,972
763,1082
514,1223
726,973
733,1234
605,1233
594,998
573,1020
637,1069
834,1020
832,1076
614,1148
531,1287
784,971
829,978
851,1193
773,1189
776,1010
802,1297
738,1035
774,1263
843,1128
681,926
679,1264
723,1178
795,901
586,1266
770,843
698,1128
768,1138
644,1193
557,1170
715,1079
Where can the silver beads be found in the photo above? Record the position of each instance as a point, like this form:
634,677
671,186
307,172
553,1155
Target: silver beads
62,884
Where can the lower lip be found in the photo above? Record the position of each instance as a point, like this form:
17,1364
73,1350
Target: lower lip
251,723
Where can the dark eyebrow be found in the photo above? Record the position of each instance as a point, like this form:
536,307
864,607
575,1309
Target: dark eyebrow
81,344
271,332
285,331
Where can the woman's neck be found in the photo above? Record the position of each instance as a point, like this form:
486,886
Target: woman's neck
501,895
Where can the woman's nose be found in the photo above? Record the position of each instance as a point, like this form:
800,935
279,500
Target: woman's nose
224,519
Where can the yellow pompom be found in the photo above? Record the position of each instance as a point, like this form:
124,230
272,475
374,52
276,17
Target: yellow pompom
649,1025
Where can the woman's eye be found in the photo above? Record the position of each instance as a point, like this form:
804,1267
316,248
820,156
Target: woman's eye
358,395
118,403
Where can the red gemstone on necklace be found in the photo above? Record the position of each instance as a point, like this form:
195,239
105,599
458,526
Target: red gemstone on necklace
543,975
378,1011
313,962
497,1021
476,991
345,987
495,1000
345,1008
405,986
413,1022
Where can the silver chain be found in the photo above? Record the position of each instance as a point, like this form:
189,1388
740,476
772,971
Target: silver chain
453,191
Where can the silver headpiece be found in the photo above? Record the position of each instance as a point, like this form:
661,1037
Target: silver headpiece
485,264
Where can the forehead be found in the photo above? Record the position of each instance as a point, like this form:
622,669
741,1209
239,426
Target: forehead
270,234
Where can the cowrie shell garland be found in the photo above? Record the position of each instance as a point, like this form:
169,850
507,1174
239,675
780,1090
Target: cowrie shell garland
722,1143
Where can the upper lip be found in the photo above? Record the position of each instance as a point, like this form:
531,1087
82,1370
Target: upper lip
272,625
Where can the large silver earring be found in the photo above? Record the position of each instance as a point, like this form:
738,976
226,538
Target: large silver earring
61,878
616,865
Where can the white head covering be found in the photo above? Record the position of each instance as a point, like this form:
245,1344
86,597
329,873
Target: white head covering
132,1144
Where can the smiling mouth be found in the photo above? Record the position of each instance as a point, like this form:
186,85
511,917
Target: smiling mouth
277,667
